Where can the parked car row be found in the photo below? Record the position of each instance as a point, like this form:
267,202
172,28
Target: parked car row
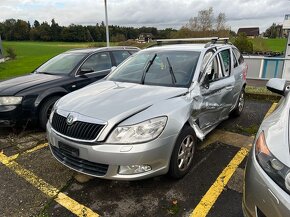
145,117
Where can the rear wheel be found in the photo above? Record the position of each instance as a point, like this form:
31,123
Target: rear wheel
45,111
240,104
183,153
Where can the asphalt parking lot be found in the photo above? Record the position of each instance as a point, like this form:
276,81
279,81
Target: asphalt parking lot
33,183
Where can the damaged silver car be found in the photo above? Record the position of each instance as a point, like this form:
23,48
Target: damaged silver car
145,118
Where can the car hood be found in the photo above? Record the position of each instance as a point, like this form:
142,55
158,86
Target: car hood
15,85
115,100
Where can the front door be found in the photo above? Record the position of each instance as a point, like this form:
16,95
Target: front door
95,67
217,96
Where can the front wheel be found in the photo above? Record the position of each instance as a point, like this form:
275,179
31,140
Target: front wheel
240,104
183,153
45,110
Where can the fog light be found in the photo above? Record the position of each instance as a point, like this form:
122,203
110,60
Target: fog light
134,169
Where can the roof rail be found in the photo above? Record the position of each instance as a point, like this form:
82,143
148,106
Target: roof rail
181,40
211,40
223,40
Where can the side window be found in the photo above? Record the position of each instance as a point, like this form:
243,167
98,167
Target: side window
120,55
206,58
213,70
98,62
235,60
238,56
226,61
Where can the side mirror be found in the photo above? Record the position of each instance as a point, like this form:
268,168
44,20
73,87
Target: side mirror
277,85
205,82
113,68
85,71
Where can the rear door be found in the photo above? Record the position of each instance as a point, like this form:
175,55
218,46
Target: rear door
217,96
119,56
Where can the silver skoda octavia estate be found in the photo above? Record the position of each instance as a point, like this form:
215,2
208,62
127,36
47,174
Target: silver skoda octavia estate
267,177
145,117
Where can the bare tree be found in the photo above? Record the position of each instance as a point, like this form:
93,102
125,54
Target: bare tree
206,19
193,24
221,22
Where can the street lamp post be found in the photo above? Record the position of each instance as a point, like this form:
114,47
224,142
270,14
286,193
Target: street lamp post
107,25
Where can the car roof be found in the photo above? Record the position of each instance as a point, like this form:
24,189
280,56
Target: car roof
96,49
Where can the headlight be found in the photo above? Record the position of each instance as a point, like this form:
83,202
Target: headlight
10,100
279,172
142,132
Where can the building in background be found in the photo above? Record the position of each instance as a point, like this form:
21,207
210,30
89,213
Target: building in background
251,32
145,37
286,25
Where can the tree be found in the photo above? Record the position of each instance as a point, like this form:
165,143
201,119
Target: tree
44,32
36,24
9,27
55,30
205,19
243,44
221,22
205,24
21,30
272,31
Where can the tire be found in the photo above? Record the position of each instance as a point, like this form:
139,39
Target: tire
186,143
45,110
240,105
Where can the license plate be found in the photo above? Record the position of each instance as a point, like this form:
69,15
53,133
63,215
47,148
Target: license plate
68,149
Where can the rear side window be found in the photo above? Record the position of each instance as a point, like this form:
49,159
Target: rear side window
120,56
226,61
238,56
235,60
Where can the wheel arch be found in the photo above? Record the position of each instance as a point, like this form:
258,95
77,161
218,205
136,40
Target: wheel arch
48,94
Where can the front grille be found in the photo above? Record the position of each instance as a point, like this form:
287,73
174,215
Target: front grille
79,164
78,130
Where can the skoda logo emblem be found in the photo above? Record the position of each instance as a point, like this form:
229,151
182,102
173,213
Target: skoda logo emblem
70,119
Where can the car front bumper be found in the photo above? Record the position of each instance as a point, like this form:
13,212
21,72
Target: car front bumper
9,115
156,154
262,196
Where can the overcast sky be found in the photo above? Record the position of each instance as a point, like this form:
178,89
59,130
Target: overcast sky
157,13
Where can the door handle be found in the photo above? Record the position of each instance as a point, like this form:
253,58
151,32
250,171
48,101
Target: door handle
229,87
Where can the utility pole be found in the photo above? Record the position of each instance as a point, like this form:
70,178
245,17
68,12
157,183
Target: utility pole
107,25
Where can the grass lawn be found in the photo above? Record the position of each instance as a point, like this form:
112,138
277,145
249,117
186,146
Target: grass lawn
32,54
271,44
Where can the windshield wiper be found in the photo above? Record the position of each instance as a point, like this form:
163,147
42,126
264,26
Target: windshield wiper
146,69
171,71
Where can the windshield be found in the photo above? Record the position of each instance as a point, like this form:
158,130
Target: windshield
61,64
165,68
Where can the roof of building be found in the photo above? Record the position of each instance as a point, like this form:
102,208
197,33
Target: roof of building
251,31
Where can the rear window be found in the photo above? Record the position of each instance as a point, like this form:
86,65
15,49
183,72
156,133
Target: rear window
238,55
